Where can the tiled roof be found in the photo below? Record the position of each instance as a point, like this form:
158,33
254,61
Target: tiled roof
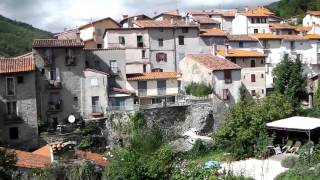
43,43
292,37
303,28
212,32
240,53
257,12
228,14
44,151
314,13
163,23
267,36
213,62
152,76
24,63
171,13
207,13
206,20
30,160
97,158
116,24
241,37
281,26
312,36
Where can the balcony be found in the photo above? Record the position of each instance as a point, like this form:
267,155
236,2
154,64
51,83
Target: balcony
162,91
55,84
12,119
97,110
142,92
55,106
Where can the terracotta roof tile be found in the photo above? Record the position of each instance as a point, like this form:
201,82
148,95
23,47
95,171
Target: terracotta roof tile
43,43
257,12
24,63
241,37
303,28
206,20
171,13
240,53
152,76
281,26
163,23
97,158
312,36
114,25
121,90
267,36
44,151
213,62
314,13
212,32
292,37
29,160
228,14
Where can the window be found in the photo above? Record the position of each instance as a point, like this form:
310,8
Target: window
255,31
95,104
94,82
227,76
142,88
54,74
139,41
75,98
161,57
114,66
181,40
253,92
42,71
262,61
143,54
253,63
14,133
253,78
225,94
160,42
185,30
122,41
252,21
161,87
97,65
258,20
20,79
144,68
10,86
292,46
241,44
99,46
12,108
262,91
70,58
157,70
262,76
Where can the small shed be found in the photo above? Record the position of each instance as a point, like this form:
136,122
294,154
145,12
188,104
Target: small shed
296,124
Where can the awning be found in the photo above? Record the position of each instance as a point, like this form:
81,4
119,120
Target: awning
296,123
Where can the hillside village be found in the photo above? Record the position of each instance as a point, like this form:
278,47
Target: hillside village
105,71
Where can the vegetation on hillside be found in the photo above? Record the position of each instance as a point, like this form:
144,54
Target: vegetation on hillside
16,37
294,8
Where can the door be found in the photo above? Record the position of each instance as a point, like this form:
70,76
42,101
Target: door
95,104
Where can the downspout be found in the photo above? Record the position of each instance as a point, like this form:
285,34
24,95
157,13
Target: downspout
175,49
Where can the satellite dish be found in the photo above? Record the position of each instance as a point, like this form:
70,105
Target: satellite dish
71,119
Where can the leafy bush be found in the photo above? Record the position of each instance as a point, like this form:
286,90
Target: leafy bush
198,90
263,140
244,121
7,164
289,161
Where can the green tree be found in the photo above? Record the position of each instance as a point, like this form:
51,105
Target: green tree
7,164
289,80
244,121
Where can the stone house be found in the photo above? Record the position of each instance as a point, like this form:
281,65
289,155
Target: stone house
252,63
92,33
18,110
312,18
243,41
253,20
221,74
126,21
168,16
210,37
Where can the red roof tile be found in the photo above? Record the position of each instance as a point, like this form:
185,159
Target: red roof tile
213,62
97,158
257,12
163,23
43,43
212,32
152,76
206,20
111,22
240,53
24,63
314,13
242,37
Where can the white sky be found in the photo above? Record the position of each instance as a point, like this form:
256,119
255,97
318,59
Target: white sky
55,15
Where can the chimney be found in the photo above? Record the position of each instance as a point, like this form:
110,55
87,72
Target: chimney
214,49
125,16
226,49
78,37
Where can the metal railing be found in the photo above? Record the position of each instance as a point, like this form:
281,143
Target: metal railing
97,109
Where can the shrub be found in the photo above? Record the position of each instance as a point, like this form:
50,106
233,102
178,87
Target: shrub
289,161
198,89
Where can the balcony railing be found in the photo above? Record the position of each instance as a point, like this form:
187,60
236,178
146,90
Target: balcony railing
55,106
12,119
97,110
162,91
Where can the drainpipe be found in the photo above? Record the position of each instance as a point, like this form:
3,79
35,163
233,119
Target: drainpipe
175,49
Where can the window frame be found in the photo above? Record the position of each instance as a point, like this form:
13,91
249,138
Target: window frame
227,76
181,40
14,86
253,78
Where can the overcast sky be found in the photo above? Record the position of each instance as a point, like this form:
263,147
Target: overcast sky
55,15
